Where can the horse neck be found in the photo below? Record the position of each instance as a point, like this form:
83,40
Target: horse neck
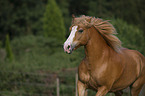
96,46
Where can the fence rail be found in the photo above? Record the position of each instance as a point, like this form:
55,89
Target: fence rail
40,84
34,84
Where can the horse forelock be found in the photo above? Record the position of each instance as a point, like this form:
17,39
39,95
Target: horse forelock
105,28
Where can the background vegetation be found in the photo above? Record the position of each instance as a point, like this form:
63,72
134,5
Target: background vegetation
32,33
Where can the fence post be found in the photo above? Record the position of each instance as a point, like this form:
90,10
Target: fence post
76,84
57,89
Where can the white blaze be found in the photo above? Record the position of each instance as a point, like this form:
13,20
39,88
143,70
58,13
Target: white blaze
72,34
70,38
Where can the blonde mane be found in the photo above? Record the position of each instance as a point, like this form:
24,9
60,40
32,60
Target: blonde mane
105,28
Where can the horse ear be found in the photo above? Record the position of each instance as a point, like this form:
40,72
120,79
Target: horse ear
73,18
89,19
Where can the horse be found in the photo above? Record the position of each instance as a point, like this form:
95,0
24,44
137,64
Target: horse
107,66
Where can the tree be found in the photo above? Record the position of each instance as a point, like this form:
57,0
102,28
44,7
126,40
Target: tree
53,21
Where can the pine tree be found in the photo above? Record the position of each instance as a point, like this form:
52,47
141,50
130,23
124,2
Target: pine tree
53,21
8,48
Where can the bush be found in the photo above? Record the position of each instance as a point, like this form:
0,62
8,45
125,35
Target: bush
131,36
35,53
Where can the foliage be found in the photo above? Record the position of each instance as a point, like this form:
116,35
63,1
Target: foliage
25,16
53,21
131,36
130,11
99,8
8,49
81,7
64,6
34,53
20,17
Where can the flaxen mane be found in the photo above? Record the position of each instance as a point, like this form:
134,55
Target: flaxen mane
103,27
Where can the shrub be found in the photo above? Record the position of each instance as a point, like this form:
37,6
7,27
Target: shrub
131,36
34,53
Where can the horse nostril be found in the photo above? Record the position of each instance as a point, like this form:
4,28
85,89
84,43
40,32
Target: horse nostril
68,47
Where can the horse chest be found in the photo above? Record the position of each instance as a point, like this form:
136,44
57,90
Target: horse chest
84,76
88,80
92,78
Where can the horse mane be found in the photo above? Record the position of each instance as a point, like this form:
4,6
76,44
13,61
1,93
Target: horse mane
105,28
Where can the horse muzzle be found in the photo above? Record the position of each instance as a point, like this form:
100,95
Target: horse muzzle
68,48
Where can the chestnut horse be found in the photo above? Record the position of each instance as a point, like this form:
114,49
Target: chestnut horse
107,66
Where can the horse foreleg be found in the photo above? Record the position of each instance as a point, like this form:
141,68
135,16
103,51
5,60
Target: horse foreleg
102,91
81,88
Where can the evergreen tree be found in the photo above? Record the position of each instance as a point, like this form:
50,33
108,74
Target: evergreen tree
53,21
8,48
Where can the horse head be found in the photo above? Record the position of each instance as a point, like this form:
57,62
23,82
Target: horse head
79,35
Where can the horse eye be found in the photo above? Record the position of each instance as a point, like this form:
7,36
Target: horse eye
81,30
